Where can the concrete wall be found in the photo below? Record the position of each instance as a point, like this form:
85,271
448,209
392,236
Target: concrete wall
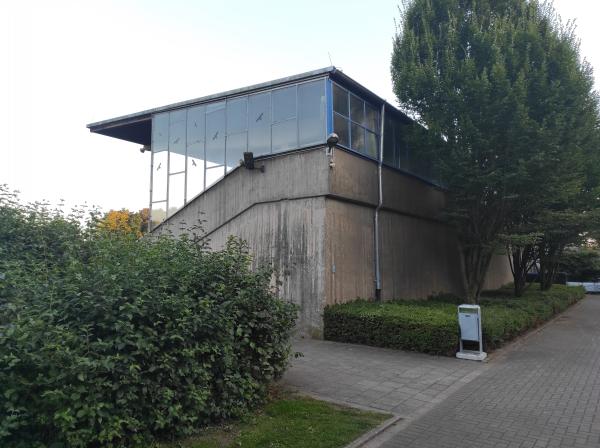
288,235
419,254
281,214
315,225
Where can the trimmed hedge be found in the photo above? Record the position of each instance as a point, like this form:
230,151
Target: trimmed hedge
110,341
431,326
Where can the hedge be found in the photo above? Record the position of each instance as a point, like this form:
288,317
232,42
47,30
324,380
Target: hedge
431,326
109,340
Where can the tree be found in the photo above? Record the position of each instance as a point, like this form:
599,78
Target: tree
125,221
510,109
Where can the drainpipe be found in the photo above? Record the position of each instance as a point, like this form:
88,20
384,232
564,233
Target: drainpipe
379,204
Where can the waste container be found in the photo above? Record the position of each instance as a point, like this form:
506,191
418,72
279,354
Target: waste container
469,321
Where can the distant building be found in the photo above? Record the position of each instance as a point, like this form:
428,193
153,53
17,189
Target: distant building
360,220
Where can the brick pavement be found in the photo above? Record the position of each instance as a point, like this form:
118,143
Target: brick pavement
541,392
399,382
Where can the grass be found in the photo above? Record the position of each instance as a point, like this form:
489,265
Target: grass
289,422
431,326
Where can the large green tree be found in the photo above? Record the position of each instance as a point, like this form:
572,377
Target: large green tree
510,108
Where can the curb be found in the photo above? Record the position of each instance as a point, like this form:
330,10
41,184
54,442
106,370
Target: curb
365,438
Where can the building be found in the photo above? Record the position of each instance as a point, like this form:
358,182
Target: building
361,219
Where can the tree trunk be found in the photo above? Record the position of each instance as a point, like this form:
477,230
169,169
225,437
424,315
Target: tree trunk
476,261
521,260
549,257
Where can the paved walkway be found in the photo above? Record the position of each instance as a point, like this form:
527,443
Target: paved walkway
394,381
543,391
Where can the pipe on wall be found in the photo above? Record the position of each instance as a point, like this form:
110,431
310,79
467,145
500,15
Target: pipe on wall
379,205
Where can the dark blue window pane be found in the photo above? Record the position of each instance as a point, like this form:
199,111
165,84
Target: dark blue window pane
357,136
357,110
340,127
340,100
371,146
372,118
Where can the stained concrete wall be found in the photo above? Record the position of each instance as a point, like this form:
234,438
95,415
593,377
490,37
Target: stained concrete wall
288,235
281,214
315,225
419,254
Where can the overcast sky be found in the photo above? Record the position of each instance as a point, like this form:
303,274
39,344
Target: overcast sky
68,63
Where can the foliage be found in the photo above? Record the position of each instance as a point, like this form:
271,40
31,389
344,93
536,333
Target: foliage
581,264
109,340
431,326
291,422
511,112
125,221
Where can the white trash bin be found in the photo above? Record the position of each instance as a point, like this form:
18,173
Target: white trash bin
469,320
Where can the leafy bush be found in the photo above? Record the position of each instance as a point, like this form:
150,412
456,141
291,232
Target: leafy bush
107,340
581,264
431,326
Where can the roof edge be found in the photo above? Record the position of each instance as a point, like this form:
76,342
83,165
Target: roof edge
146,114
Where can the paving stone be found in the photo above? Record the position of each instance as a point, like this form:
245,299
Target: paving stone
374,377
542,392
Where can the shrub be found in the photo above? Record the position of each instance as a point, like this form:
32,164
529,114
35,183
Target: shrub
431,326
107,340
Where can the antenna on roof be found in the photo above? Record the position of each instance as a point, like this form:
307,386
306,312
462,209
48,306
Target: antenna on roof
330,61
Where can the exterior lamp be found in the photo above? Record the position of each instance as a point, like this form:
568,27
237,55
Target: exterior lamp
332,141
248,162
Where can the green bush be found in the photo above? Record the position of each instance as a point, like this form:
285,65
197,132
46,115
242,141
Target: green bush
431,326
107,340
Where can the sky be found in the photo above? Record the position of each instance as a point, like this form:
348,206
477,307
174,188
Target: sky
64,64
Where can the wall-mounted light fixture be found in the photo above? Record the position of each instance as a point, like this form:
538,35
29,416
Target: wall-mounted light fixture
145,148
332,141
248,162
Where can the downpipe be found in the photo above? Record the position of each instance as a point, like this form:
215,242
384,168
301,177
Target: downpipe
379,205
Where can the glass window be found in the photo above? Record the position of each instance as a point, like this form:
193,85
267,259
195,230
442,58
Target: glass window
340,100
284,135
372,149
311,113
284,104
389,147
195,175
402,148
259,123
160,162
340,127
357,110
372,118
214,174
195,125
215,133
176,192
236,146
158,213
160,132
357,136
177,141
237,115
